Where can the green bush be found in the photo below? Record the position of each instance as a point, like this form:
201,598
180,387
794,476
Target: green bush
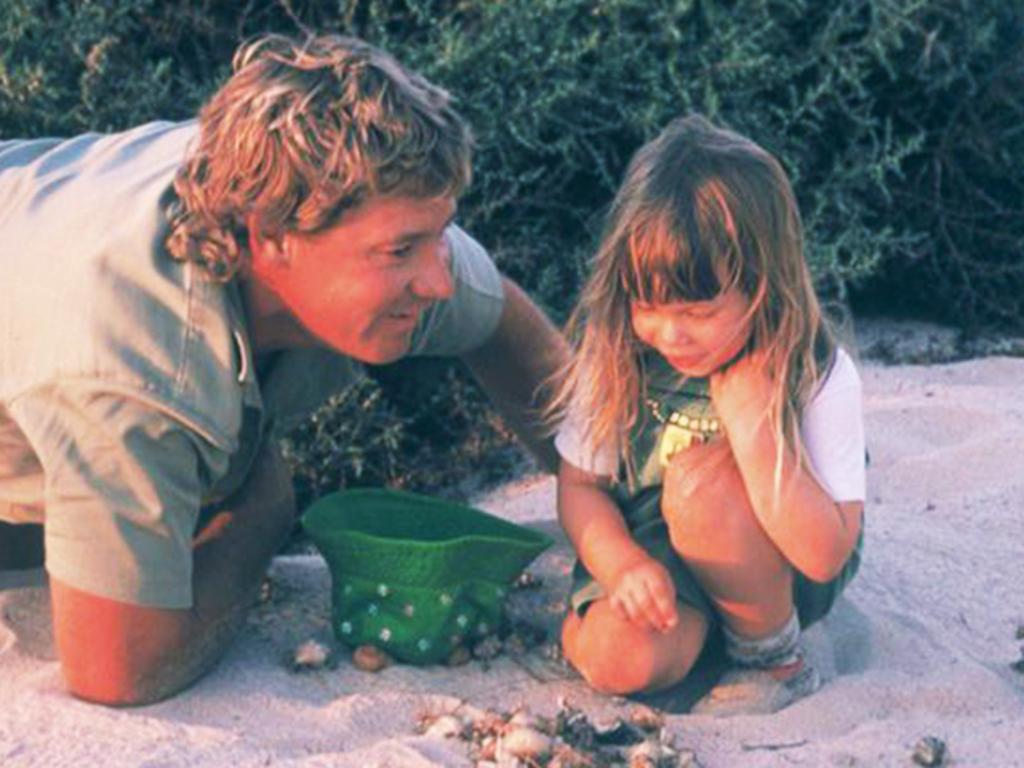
898,120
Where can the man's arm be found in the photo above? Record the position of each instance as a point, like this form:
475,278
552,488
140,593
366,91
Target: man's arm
515,366
120,654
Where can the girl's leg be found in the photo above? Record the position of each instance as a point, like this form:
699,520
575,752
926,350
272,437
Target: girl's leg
714,529
616,656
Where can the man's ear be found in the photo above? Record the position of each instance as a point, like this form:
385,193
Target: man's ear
265,251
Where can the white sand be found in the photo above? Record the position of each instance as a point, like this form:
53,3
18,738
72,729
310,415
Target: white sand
920,645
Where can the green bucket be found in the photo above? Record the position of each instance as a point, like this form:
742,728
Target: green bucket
414,575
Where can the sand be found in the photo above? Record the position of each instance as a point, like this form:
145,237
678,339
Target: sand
921,644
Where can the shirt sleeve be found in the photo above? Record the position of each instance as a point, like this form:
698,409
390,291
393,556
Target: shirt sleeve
470,316
123,491
574,448
832,430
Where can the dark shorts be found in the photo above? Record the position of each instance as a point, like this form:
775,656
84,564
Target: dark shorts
813,600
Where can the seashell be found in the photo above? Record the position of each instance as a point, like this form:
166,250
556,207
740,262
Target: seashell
459,656
930,751
565,756
445,727
523,719
573,727
525,743
488,749
617,733
369,658
646,718
647,754
310,655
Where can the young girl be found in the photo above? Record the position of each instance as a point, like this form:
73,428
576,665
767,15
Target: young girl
712,447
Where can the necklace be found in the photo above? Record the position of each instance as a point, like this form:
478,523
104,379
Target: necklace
707,425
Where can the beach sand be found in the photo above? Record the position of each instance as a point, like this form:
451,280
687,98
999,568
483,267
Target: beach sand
920,645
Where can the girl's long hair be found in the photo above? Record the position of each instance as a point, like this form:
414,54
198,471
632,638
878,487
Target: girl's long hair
701,210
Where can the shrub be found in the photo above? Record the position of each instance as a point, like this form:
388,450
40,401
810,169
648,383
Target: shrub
898,120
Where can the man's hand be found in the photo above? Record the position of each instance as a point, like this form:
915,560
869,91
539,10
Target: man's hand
644,594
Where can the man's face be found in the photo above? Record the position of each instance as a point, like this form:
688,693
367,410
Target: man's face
361,286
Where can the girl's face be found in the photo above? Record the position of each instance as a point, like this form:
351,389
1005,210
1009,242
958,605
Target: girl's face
695,337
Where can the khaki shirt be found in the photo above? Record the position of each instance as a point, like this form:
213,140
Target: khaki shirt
128,395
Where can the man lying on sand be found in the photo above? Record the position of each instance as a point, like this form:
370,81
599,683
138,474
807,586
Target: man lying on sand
183,289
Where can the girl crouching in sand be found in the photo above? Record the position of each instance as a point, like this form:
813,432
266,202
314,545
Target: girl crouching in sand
712,448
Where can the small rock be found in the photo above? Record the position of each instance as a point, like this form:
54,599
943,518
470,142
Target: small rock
930,751
524,743
515,645
1020,632
266,593
527,580
370,658
488,648
459,656
310,655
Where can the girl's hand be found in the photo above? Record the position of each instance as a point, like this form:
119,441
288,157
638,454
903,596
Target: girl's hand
742,392
644,594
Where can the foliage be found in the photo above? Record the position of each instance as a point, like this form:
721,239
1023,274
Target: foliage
898,120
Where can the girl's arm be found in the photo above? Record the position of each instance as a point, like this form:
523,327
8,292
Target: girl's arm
637,584
812,530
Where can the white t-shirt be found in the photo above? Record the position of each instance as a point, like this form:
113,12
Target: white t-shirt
831,428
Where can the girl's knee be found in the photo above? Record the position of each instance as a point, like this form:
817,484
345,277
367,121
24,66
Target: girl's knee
619,658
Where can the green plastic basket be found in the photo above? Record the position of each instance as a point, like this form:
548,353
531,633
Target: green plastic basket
414,575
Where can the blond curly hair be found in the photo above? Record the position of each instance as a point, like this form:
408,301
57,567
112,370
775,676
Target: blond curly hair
302,132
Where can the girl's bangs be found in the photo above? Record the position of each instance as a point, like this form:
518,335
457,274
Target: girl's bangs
665,263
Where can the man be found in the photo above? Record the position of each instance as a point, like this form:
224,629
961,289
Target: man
178,291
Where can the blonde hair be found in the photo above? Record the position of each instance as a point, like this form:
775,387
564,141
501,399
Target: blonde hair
302,132
701,210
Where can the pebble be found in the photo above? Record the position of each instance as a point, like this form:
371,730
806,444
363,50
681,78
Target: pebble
930,751
459,656
310,655
527,580
488,648
369,658
266,593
